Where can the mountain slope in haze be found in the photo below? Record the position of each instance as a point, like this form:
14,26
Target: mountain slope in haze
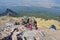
9,12
47,13
31,8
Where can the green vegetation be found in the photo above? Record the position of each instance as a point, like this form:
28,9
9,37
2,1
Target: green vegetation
39,14
36,13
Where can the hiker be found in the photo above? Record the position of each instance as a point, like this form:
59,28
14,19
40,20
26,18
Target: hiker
24,22
35,25
28,20
27,23
53,27
17,23
30,26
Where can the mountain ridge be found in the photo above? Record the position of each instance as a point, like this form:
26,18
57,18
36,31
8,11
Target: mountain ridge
47,13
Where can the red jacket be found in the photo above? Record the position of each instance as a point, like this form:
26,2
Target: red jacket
36,27
30,26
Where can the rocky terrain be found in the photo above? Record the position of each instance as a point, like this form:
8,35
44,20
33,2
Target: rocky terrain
20,32
27,34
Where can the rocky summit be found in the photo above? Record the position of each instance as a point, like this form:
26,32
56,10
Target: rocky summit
19,32
24,28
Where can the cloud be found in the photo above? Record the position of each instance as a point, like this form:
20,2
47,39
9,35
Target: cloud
57,1
39,3
58,5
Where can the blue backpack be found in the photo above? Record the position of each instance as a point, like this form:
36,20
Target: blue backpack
53,27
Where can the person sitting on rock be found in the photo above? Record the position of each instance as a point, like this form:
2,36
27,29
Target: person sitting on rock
53,27
17,23
30,26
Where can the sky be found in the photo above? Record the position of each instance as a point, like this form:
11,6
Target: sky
38,3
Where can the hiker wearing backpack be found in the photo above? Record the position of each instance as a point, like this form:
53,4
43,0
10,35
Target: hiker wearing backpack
35,25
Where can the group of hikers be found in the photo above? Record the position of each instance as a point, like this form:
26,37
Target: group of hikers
30,23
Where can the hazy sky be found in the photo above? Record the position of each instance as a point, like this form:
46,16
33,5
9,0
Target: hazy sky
39,3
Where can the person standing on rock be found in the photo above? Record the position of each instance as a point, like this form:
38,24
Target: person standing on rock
35,25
